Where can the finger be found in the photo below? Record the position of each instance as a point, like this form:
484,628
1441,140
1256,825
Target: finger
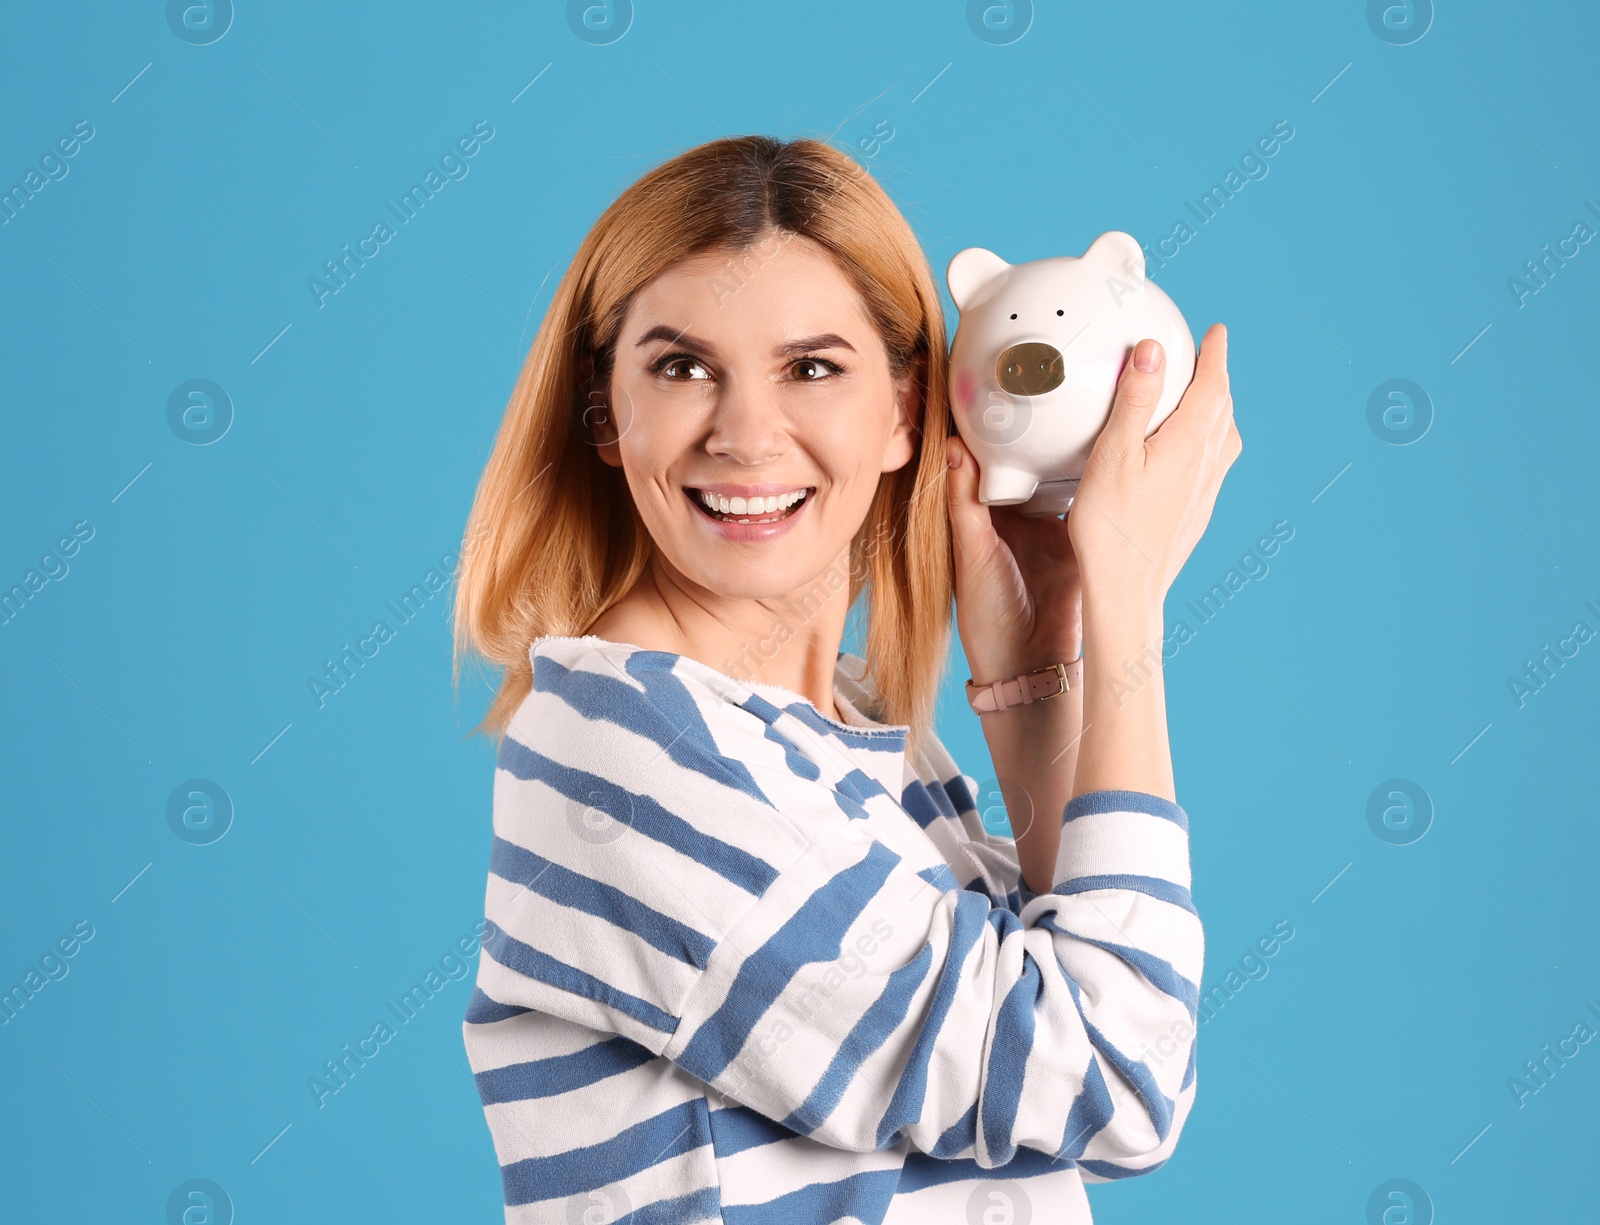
1217,433
1211,372
1206,402
1212,360
1138,391
971,528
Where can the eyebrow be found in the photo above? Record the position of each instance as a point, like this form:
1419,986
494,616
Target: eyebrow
791,348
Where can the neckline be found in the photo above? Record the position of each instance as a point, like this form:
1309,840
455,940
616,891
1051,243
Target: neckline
867,726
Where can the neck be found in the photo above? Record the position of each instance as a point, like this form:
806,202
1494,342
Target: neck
791,641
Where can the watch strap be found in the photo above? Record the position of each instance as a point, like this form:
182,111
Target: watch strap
1036,686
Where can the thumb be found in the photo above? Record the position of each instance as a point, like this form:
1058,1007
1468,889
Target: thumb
971,528
1138,392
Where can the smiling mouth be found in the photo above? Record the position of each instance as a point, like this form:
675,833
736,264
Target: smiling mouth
771,509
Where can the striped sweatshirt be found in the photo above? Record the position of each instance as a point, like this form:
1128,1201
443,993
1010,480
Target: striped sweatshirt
750,964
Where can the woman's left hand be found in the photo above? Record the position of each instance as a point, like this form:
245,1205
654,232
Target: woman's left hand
1019,598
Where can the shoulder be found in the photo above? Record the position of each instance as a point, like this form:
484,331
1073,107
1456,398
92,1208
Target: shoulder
650,721
595,687
615,740
593,691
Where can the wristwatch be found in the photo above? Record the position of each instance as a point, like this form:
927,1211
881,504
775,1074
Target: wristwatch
1037,686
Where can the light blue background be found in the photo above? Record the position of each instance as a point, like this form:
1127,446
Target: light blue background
1379,645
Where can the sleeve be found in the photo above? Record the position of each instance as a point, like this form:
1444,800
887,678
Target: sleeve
665,870
953,809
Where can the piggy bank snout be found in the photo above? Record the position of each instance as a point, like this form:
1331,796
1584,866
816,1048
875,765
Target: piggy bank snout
1030,369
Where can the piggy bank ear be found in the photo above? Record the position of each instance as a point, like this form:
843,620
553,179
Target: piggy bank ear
1118,253
970,271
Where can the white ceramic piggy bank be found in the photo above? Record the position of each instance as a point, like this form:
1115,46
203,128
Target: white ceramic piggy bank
1035,361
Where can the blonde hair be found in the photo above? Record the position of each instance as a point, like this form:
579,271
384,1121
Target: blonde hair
554,539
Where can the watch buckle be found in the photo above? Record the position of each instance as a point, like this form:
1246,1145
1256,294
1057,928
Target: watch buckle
1060,669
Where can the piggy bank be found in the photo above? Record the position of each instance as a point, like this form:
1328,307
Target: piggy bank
1036,357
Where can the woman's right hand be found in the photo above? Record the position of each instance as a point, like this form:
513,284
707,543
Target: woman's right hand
1143,502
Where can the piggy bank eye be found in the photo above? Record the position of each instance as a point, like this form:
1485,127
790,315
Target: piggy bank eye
1030,369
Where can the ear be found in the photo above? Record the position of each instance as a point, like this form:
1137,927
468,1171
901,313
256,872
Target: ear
1118,253
970,272
592,417
910,404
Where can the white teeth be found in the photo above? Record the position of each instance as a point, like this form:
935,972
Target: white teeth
769,505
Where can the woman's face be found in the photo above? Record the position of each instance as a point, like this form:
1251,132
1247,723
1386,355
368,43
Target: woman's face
770,384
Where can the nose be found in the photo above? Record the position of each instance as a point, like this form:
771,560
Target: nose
1030,369
747,426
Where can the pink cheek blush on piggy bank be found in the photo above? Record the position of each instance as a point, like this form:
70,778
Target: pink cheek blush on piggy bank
1036,358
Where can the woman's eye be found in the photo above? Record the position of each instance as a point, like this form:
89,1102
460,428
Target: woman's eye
822,368
670,364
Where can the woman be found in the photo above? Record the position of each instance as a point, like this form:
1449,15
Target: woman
754,957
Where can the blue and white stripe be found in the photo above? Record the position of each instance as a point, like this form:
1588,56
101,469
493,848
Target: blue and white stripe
750,964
